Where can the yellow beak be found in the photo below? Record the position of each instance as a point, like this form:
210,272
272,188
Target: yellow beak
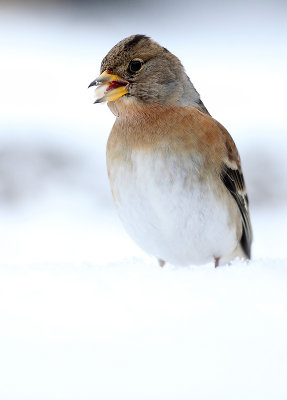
109,87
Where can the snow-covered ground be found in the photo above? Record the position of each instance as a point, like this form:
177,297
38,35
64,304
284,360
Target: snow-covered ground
128,330
84,313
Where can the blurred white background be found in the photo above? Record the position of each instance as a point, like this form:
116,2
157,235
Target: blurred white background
55,205
52,142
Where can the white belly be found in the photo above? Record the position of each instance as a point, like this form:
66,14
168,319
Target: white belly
168,212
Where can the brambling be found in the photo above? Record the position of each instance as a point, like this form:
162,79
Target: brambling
174,171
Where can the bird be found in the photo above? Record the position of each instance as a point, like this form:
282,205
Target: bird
175,172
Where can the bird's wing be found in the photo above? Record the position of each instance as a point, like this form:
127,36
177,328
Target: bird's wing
232,177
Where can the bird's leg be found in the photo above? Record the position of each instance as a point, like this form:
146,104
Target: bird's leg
216,261
161,262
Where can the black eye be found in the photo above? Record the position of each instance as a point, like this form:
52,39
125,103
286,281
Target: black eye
135,65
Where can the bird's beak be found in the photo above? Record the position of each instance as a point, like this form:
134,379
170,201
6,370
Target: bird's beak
109,87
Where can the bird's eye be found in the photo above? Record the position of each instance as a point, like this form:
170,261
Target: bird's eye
135,65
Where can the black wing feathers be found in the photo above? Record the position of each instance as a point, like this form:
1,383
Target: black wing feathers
234,182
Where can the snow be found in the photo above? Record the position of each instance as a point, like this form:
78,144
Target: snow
130,330
84,313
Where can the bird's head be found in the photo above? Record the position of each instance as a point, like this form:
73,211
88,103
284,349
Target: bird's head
140,69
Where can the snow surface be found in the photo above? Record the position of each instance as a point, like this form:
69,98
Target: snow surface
84,313
129,330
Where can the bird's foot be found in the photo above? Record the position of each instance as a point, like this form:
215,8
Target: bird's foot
216,261
161,262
